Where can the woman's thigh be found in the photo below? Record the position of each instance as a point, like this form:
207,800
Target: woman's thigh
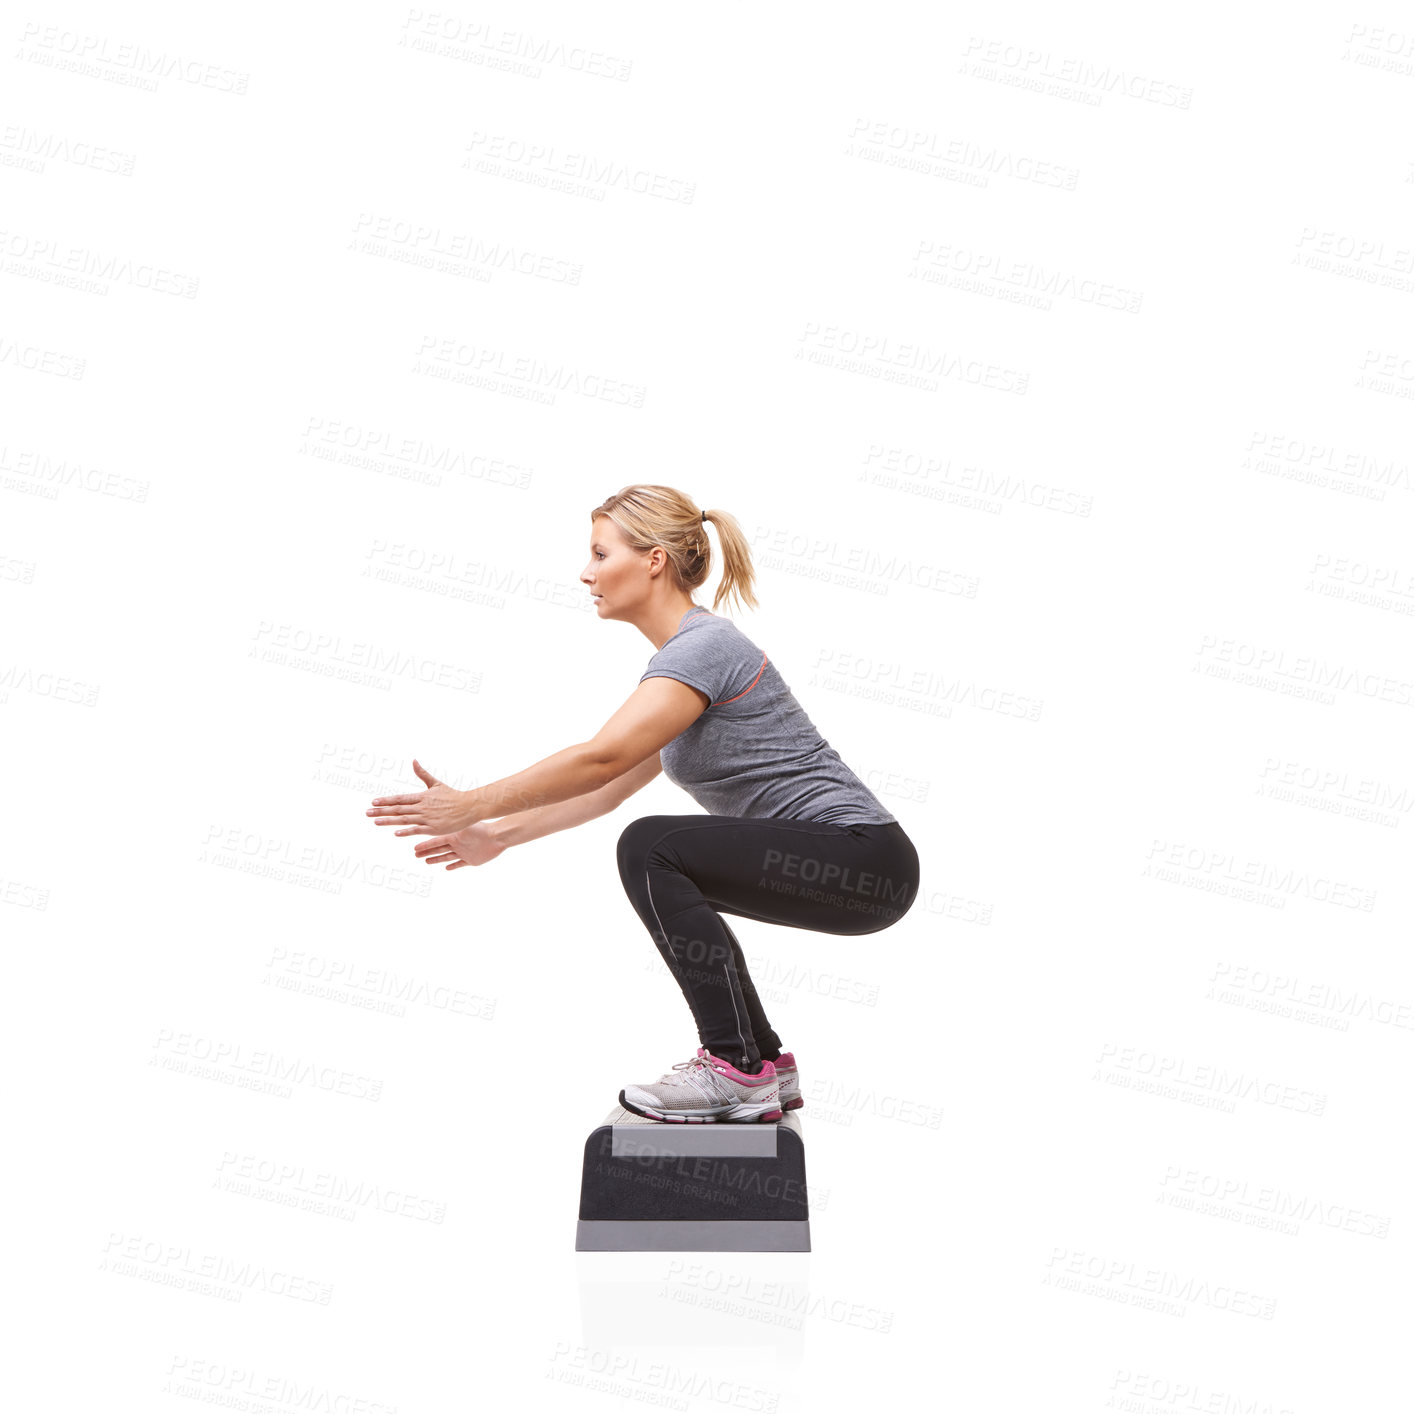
797,873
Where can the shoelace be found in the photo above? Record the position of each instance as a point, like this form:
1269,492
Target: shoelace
704,1077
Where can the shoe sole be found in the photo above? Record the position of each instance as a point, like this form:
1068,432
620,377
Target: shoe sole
738,1114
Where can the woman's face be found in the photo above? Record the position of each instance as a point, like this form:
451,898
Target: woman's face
614,573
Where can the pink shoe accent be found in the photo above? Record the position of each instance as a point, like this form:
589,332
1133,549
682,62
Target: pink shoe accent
766,1073
787,1059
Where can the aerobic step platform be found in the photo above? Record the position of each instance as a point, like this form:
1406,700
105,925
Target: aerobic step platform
651,1187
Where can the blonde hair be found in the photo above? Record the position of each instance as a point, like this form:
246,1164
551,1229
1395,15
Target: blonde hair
659,515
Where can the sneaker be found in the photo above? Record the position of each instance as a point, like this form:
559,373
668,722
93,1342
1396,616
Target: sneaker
791,1098
705,1090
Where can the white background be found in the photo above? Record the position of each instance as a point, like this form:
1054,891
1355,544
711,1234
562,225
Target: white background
1059,368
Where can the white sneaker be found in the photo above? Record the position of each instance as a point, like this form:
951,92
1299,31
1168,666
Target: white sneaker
791,1098
705,1090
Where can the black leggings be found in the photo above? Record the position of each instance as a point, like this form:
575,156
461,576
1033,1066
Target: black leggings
682,872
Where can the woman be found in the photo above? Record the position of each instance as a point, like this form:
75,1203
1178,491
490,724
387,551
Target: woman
792,836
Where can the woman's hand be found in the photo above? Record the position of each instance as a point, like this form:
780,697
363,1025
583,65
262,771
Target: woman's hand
439,810
477,844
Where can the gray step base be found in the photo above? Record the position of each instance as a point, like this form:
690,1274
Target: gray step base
759,1236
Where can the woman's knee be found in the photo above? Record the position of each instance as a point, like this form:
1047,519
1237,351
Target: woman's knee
885,916
636,843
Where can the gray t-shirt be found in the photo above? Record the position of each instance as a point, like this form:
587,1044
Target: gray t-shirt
753,752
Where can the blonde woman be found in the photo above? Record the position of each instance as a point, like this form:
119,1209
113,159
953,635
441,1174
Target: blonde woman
791,835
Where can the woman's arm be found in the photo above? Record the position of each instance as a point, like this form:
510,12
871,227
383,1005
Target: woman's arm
544,820
489,839
658,710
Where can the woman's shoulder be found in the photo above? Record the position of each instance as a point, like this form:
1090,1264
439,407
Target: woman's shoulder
724,636
719,625
717,651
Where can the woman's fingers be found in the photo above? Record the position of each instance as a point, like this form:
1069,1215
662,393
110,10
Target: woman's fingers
406,810
383,813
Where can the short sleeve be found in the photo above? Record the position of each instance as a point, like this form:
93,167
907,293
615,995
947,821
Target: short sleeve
697,659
